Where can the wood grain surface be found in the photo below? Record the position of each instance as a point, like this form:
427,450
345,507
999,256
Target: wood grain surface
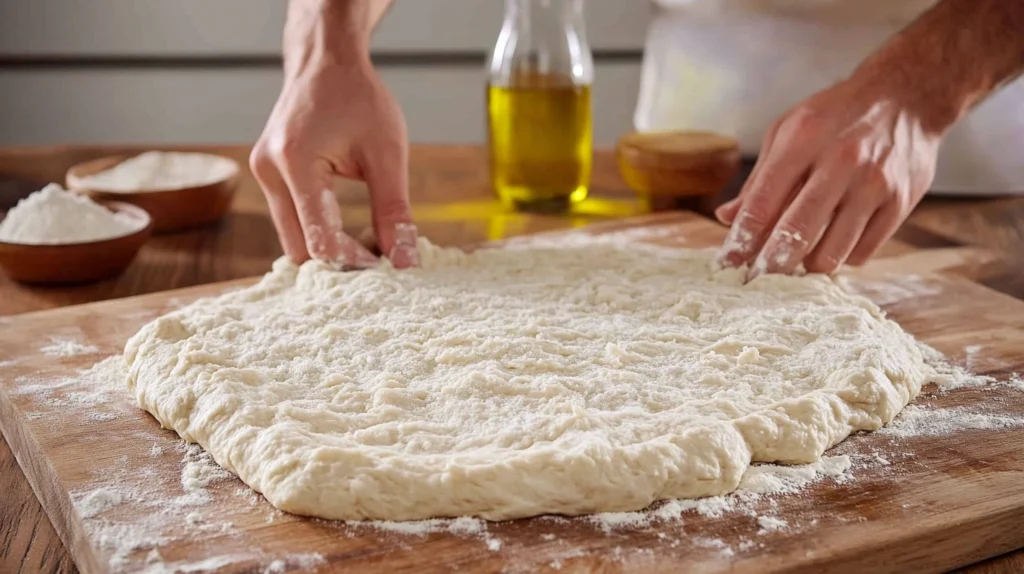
977,239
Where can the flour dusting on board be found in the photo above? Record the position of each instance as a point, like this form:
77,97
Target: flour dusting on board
920,421
759,482
896,288
134,507
67,348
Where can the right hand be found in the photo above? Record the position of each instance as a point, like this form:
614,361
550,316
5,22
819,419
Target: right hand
335,119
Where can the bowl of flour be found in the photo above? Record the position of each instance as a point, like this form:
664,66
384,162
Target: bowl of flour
178,189
54,236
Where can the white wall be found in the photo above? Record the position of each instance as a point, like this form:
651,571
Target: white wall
203,71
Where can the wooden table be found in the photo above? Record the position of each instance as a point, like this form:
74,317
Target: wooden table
453,205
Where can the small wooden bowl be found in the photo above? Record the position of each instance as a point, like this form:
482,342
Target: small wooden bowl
171,209
665,166
70,263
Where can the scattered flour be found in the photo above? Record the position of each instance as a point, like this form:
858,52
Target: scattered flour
1016,382
155,450
53,216
296,561
949,377
770,524
157,170
67,348
95,389
461,526
897,288
98,501
769,479
167,519
921,421
761,480
199,470
158,566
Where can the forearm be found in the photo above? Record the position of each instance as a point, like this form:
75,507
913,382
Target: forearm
331,31
951,58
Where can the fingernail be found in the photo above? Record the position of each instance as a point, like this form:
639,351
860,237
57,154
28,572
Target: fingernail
759,267
404,256
406,234
721,209
404,253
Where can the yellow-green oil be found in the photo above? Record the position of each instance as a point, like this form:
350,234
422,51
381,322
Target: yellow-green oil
541,144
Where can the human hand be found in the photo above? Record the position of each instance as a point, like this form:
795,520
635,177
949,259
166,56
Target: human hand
335,119
836,177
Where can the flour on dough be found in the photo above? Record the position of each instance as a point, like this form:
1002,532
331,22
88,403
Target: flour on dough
520,381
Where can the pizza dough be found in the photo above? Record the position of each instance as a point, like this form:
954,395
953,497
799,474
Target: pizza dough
519,381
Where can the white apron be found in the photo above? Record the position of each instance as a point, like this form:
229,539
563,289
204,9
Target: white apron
733,66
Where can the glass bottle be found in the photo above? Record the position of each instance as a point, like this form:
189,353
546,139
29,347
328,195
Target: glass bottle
540,129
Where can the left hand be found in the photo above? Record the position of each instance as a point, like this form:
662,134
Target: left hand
835,178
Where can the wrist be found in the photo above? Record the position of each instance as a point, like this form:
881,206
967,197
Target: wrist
321,33
916,91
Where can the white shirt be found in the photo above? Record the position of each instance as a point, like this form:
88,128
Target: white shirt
734,66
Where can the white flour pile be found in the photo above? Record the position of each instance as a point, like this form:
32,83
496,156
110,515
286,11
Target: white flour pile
158,171
54,216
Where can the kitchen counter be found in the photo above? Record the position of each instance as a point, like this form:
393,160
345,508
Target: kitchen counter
453,206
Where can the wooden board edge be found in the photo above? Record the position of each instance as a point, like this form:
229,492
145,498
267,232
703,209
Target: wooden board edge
939,549
42,478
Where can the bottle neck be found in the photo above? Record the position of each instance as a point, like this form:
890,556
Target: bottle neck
539,12
542,43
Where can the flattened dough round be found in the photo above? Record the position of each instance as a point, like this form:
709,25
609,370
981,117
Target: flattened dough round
519,381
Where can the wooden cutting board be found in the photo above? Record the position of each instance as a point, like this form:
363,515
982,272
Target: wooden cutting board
937,502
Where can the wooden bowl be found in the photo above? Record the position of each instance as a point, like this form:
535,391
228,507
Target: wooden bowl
171,209
661,166
70,263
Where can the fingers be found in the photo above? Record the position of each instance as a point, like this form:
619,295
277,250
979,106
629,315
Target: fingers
388,181
770,191
840,238
804,221
882,226
282,209
318,211
726,213
778,174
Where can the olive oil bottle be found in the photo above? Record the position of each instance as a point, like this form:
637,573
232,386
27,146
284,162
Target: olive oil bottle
540,127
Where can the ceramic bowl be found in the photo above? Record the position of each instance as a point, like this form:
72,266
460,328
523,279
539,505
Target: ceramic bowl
171,209
70,263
